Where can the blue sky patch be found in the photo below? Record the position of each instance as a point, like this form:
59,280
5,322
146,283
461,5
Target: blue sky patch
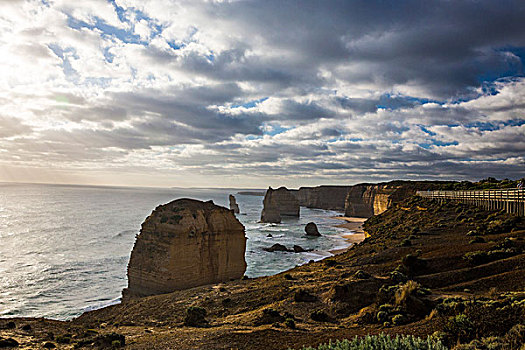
389,101
436,143
250,104
426,131
275,130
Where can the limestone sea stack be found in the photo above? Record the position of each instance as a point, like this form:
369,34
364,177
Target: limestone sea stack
278,203
233,204
184,244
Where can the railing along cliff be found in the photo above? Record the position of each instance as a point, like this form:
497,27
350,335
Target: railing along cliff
512,201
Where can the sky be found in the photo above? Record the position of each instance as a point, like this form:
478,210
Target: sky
257,93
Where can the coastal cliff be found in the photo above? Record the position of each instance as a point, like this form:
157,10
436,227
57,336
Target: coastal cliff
183,244
362,200
278,203
366,200
322,197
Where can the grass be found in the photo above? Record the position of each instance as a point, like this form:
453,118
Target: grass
383,342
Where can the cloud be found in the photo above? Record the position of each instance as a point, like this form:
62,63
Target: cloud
256,92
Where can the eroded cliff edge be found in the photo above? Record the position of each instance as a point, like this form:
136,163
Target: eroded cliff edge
366,200
183,244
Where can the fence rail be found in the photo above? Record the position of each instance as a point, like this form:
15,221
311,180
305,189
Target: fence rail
512,201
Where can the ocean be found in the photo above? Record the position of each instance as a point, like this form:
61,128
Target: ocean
64,249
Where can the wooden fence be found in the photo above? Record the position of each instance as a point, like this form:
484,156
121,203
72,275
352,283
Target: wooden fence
512,201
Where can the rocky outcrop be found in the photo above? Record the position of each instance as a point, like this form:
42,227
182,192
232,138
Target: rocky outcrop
311,230
366,200
278,203
323,197
183,244
233,204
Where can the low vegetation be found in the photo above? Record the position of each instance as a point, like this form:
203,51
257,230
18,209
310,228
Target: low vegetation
383,342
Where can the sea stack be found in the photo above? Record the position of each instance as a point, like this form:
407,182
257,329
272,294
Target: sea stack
278,203
233,204
184,244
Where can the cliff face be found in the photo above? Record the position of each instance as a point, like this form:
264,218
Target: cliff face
323,197
277,203
183,244
366,200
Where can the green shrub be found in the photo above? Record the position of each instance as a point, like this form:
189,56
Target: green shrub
398,277
477,240
476,258
481,257
360,274
460,327
270,316
290,323
195,317
399,319
386,307
382,316
413,263
406,243
383,342
406,290
516,336
320,316
502,225
63,339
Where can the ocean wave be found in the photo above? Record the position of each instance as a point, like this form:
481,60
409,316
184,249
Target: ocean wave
102,304
125,233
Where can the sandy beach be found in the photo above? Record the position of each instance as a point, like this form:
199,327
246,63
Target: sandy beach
352,224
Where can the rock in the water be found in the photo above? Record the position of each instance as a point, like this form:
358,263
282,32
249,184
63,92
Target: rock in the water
281,248
298,249
278,203
311,230
233,204
184,244
269,235
276,248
